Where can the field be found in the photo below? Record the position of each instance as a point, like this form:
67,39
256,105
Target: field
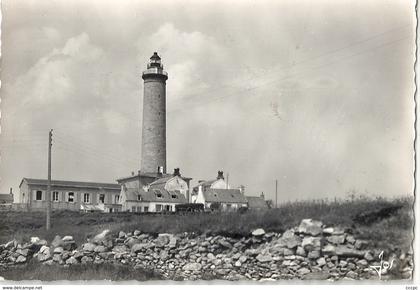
389,223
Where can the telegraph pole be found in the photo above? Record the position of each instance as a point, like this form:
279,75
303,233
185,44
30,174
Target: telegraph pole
49,181
276,192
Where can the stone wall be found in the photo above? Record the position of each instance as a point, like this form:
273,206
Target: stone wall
309,251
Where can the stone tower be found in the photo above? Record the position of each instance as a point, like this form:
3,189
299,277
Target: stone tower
153,152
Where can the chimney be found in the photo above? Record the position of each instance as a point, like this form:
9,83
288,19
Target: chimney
132,173
11,191
176,172
160,171
262,194
220,175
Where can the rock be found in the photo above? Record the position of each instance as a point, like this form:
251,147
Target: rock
289,239
316,276
347,252
20,259
288,252
132,241
100,238
172,242
350,239
264,258
58,250
243,259
321,261
311,243
314,254
361,244
44,249
86,260
368,256
303,271
34,240
192,267
57,242
67,239
311,227
162,240
44,255
137,233
22,252
71,261
238,264
300,252
336,239
225,244
120,249
362,263
69,245
258,232
89,247
122,235
329,250
139,247
210,256
99,249
352,275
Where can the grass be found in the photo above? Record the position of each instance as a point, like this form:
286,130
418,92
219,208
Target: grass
395,230
113,272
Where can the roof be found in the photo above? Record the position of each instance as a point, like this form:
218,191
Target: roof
256,202
224,195
153,195
205,183
67,183
6,198
150,174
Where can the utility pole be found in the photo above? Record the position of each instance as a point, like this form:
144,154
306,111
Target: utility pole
276,192
49,181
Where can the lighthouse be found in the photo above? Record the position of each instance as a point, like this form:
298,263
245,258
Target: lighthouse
153,150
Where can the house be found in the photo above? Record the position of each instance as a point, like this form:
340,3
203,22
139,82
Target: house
69,195
217,194
257,202
6,200
154,195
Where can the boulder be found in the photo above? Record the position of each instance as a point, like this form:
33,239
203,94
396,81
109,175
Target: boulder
350,239
314,254
311,243
122,235
139,247
321,261
34,240
162,240
137,233
71,261
303,271
258,232
336,239
343,251
69,245
20,259
67,238
22,252
101,238
243,259
361,244
289,240
57,242
310,227
99,249
225,244
58,250
120,249
132,241
300,252
89,247
192,267
86,260
264,258
316,276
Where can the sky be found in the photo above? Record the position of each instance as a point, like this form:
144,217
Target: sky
318,95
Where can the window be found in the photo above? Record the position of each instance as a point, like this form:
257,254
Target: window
133,209
71,197
138,209
86,198
158,193
173,195
146,209
167,208
55,195
158,207
38,195
102,198
139,197
116,198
